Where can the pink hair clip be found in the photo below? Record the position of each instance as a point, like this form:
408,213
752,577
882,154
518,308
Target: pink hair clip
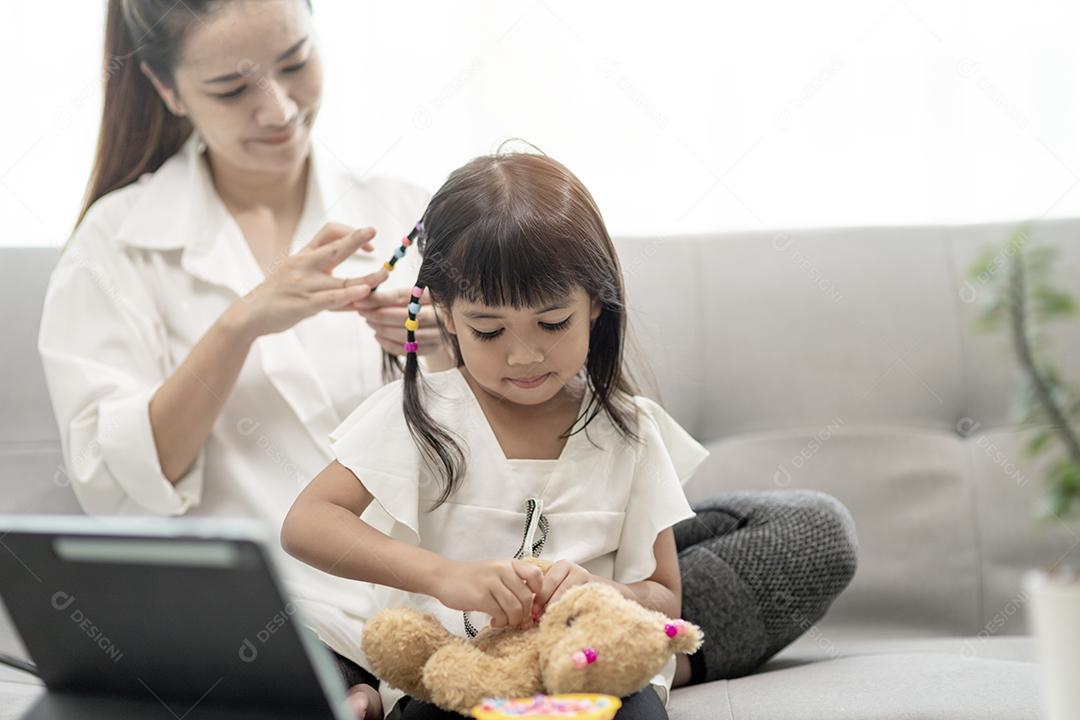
584,657
674,627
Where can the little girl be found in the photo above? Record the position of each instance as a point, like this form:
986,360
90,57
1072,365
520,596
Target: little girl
535,444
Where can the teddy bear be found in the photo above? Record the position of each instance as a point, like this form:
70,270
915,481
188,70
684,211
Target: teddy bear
590,640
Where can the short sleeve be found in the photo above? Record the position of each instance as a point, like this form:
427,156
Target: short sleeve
104,356
667,457
375,444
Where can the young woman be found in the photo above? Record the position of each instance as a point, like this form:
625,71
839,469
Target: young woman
210,320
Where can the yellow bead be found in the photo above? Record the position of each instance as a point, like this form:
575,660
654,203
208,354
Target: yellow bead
411,324
388,266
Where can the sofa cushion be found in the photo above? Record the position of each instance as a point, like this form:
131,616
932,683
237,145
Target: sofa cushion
823,679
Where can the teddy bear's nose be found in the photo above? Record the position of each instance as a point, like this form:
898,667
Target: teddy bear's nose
584,657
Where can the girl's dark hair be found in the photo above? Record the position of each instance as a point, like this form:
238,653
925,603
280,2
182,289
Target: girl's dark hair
138,133
519,229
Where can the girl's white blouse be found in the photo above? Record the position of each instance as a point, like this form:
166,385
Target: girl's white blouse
605,499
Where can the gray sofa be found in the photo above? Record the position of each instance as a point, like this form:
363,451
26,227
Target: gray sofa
846,361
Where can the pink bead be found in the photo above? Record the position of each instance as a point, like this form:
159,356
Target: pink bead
417,292
590,655
671,630
410,347
580,660
405,241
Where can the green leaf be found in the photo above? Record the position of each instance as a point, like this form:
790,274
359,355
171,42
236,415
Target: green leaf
1063,491
1068,477
992,318
1038,443
1051,302
983,270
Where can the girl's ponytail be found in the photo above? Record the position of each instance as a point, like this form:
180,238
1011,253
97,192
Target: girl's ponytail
138,133
437,445
439,448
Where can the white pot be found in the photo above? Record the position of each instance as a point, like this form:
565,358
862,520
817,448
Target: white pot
1054,615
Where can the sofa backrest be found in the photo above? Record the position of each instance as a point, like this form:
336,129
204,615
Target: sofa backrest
849,361
32,473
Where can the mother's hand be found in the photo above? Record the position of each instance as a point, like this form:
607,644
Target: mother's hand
303,283
386,312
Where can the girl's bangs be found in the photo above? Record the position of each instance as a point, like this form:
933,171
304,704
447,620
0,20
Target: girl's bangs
501,267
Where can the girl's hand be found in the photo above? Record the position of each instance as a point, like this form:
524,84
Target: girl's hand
560,577
386,312
302,284
503,589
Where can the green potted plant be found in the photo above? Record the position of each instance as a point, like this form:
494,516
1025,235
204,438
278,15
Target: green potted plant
1021,297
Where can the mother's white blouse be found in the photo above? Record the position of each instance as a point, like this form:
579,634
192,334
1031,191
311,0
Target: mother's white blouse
605,501
150,268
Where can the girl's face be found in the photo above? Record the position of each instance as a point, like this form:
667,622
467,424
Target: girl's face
502,347
249,79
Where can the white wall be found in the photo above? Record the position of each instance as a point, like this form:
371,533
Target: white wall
680,117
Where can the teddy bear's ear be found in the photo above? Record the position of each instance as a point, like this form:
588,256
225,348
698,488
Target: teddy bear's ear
683,637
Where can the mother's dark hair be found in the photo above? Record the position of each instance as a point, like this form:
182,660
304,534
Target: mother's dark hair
138,133
521,230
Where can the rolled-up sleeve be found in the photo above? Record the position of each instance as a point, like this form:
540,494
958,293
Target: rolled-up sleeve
103,348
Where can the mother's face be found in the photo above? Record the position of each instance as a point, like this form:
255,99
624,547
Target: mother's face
248,77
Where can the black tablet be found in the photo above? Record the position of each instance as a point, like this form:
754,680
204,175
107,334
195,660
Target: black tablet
171,618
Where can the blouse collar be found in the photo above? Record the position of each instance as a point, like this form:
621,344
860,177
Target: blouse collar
180,209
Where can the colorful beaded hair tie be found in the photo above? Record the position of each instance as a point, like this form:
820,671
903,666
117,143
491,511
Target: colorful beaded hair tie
414,305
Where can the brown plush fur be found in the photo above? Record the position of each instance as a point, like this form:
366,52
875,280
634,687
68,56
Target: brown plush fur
413,652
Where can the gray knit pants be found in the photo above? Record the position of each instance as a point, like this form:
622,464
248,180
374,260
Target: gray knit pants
758,569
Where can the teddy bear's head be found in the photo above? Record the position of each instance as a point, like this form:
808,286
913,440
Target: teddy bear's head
593,637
